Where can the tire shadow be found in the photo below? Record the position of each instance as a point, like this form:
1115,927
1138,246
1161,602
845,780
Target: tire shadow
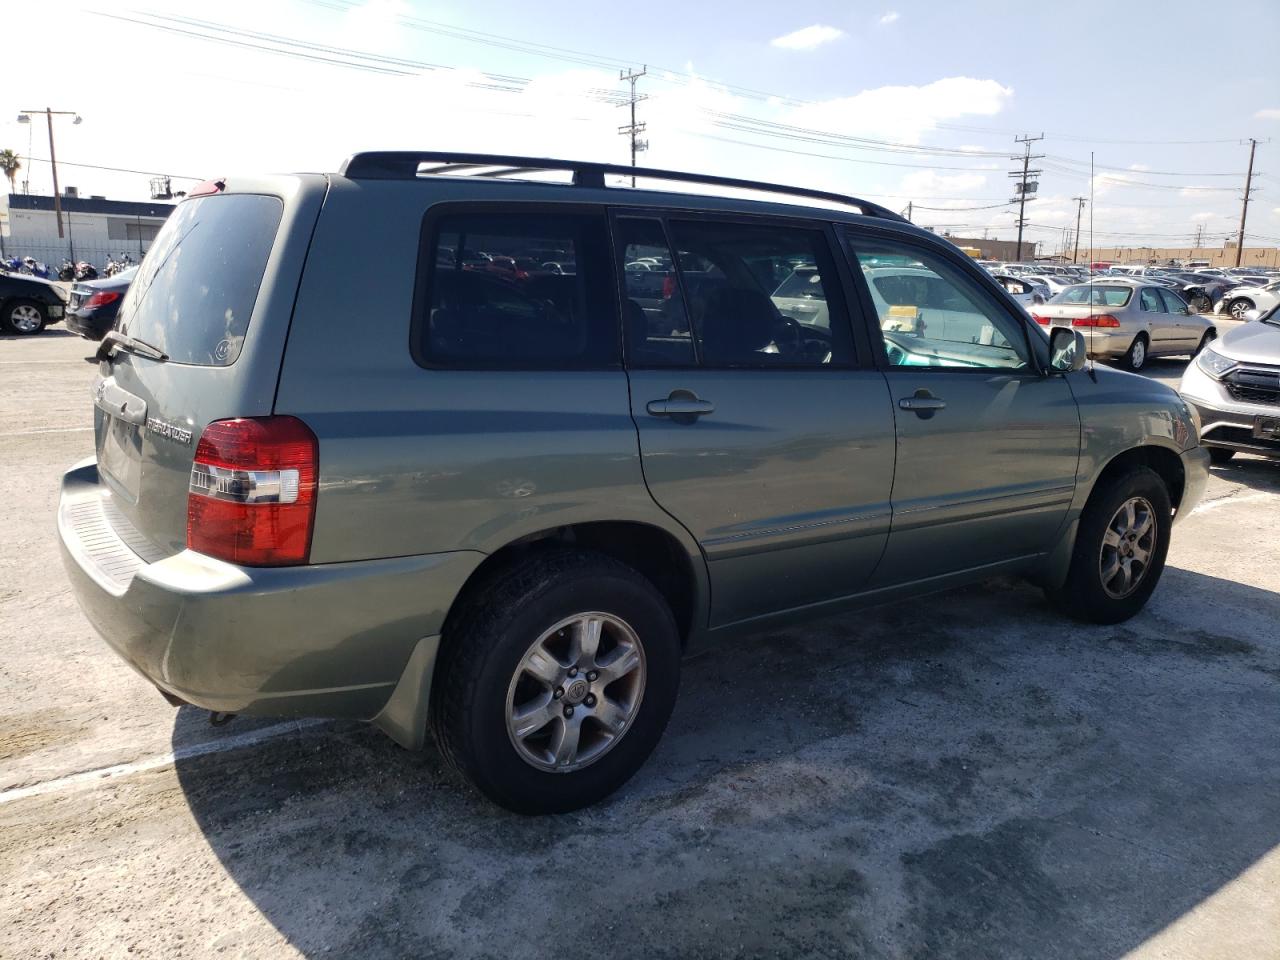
963,776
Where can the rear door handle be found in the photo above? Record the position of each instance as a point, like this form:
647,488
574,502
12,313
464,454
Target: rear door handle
680,404
923,403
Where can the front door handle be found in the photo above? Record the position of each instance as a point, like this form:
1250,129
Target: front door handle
923,403
681,405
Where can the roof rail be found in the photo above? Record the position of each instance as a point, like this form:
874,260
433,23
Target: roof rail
408,165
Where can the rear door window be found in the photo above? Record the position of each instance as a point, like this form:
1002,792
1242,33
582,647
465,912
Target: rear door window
515,290
195,291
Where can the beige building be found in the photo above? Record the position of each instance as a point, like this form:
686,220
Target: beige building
1224,256
996,249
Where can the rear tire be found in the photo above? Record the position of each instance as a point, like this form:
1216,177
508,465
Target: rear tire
1201,303
1220,455
485,682
24,317
1135,358
1089,594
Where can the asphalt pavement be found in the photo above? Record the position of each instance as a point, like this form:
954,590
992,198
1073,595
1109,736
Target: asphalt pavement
963,775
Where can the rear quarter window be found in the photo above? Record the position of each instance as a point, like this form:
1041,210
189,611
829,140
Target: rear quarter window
195,291
495,292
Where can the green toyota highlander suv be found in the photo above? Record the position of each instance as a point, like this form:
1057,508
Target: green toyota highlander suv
556,435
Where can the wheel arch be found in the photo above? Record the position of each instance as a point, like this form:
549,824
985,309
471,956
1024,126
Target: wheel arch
1166,464
675,569
1164,461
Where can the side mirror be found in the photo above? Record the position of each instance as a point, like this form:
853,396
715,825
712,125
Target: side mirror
1067,350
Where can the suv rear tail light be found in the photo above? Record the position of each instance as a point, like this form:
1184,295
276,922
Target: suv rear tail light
1096,320
668,286
102,298
252,496
1043,321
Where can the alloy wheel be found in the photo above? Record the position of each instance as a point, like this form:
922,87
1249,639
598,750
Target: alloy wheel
25,318
1127,546
576,692
1138,354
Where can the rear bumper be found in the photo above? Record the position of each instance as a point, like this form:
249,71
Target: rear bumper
332,640
89,325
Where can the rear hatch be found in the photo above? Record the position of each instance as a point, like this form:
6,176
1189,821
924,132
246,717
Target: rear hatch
215,295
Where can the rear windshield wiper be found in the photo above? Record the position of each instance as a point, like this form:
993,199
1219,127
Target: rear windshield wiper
125,342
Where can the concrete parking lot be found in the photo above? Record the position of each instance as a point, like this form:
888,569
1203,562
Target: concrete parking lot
966,775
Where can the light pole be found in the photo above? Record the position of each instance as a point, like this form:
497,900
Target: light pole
25,117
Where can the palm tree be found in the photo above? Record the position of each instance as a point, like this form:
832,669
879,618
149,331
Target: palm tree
10,164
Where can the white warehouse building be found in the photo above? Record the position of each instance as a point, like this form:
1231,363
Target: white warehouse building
94,228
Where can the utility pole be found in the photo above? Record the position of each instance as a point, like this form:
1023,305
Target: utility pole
911,206
634,129
25,117
1199,241
1080,202
1244,209
1026,184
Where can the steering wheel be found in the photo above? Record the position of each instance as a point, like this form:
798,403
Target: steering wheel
797,339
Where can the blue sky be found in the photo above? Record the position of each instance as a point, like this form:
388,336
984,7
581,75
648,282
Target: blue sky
896,101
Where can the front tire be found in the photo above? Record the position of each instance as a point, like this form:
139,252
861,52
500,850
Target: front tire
555,681
1135,358
1239,307
24,317
1120,549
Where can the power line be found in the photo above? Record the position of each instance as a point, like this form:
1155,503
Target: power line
95,166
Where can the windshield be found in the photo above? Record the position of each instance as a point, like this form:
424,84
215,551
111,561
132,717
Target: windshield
193,295
1096,295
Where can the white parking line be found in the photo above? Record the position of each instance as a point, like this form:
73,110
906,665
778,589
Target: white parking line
1229,501
90,778
32,433
23,363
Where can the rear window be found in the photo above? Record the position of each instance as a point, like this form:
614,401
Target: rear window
194,293
1095,295
802,283
516,290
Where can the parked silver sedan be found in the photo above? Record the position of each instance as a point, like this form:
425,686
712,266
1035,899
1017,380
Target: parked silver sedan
1128,319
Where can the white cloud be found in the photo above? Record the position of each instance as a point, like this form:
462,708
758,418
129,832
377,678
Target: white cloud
1201,217
888,18
1139,167
1268,113
906,113
925,183
807,38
